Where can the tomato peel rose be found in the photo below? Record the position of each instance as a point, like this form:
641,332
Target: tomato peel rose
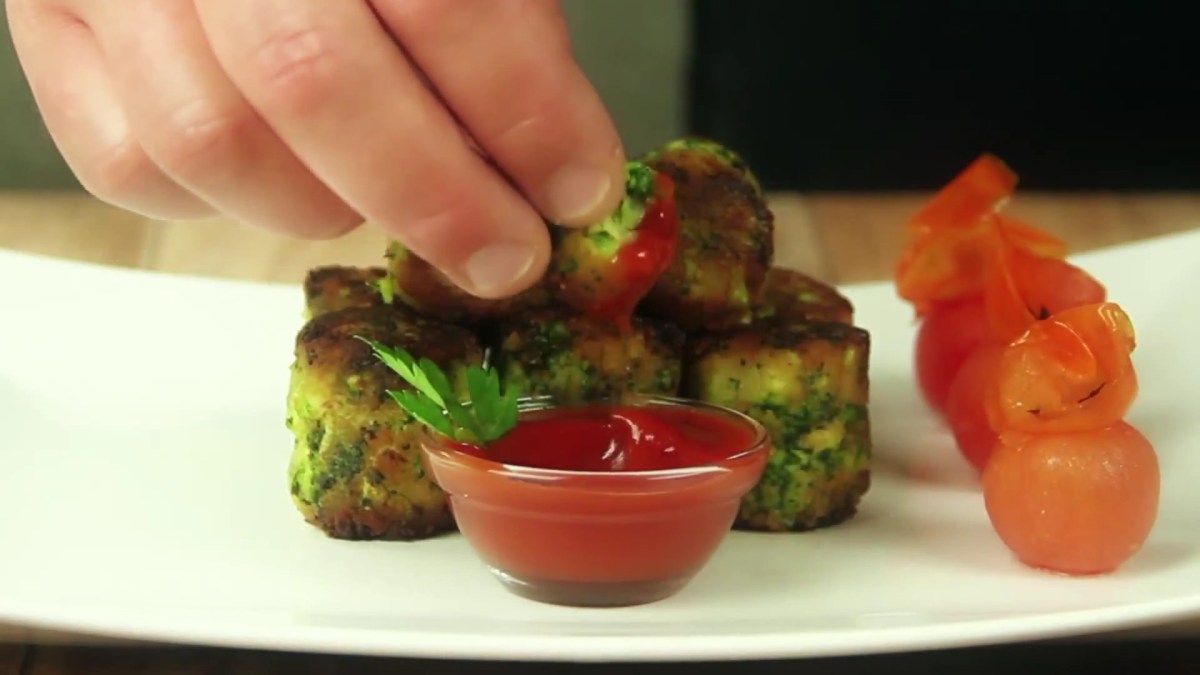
1070,372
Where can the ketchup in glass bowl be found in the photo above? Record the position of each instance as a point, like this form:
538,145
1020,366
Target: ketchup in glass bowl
605,504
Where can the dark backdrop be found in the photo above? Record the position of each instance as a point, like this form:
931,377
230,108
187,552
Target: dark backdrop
895,94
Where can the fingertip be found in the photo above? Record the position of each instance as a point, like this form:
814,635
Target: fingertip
503,269
509,262
334,228
489,248
584,192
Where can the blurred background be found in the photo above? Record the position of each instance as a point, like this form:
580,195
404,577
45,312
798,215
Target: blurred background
860,95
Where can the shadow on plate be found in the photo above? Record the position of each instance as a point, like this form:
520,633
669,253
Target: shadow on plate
1161,556
936,464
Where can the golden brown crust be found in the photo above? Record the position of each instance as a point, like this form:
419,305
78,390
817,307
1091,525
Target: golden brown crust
342,513
807,383
791,296
356,469
327,343
578,358
844,500
726,243
823,342
333,287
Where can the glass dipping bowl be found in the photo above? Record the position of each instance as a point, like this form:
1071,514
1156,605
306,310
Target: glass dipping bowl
597,539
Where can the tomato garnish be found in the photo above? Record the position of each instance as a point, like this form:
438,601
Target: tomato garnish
1074,503
951,241
965,410
1070,372
941,265
942,251
1031,366
947,336
977,190
1025,237
1023,286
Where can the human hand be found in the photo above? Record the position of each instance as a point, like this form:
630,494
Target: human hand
309,117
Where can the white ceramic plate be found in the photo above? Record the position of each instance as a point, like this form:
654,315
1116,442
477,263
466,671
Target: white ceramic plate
143,468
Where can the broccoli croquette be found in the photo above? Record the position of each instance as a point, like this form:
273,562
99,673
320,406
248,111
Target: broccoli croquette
356,470
726,240
334,287
807,384
790,296
578,359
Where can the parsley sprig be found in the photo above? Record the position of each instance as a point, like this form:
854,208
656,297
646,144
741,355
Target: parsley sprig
488,414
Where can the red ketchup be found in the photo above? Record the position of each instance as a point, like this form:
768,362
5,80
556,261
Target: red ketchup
640,263
618,438
609,504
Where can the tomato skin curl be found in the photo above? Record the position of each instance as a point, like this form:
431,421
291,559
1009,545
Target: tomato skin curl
1071,372
941,252
1022,286
981,188
1077,504
945,264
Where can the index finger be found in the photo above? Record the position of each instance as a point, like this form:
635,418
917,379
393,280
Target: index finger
506,69
330,81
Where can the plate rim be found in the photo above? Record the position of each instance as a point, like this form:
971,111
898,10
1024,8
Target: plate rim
219,631
173,627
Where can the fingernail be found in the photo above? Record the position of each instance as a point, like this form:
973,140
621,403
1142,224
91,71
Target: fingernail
576,191
494,270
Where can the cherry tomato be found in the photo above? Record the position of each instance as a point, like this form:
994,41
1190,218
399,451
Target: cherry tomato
1023,287
947,335
1077,503
1070,372
965,411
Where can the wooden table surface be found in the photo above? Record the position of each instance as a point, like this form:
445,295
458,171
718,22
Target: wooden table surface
839,238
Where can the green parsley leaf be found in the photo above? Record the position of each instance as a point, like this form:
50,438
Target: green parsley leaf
423,409
485,417
483,398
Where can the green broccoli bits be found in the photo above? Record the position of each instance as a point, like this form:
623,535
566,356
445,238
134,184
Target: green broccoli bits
356,470
807,384
791,296
577,359
726,240
333,287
